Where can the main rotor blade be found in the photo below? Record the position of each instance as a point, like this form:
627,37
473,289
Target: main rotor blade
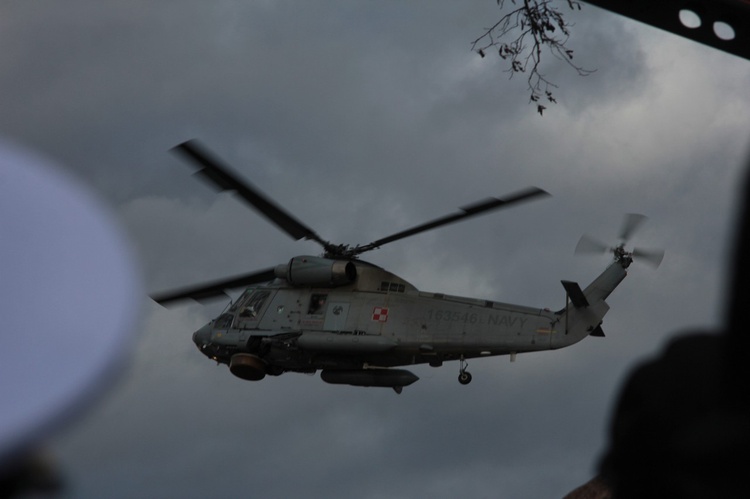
630,224
213,170
466,212
213,289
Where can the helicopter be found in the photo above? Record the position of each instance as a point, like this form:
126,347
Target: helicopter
358,323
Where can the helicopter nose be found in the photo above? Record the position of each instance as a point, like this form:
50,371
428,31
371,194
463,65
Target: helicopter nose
202,336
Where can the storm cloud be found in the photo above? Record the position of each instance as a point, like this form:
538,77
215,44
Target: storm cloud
362,118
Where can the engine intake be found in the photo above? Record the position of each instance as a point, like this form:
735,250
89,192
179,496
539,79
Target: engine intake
317,271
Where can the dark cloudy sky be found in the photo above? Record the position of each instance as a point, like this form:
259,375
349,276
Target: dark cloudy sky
363,118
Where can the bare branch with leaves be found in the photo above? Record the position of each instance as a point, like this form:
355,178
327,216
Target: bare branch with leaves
519,37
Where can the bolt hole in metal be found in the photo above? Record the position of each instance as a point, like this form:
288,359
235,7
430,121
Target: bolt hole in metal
724,31
692,20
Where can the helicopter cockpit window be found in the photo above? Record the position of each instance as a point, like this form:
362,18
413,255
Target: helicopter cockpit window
251,307
317,304
241,300
224,321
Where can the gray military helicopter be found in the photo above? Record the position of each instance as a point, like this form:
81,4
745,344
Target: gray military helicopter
355,321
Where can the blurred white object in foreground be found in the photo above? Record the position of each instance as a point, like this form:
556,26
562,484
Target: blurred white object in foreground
69,298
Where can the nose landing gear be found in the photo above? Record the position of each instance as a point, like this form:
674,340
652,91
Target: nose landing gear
464,376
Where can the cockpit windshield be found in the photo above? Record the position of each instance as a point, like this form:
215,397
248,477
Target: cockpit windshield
240,300
249,307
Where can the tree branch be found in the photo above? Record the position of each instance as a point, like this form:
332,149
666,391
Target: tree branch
541,24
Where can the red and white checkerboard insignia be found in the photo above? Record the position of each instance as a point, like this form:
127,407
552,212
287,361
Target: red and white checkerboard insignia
380,314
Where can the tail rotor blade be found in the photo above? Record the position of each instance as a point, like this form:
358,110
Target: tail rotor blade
630,224
588,245
650,256
632,221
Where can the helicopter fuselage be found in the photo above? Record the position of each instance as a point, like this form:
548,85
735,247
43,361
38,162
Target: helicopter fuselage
352,331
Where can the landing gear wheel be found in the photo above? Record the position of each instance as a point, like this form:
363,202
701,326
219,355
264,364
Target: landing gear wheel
464,377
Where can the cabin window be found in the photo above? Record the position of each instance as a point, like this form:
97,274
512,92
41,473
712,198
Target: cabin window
317,304
392,287
251,307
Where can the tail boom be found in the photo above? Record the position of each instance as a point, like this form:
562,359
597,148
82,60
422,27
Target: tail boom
585,309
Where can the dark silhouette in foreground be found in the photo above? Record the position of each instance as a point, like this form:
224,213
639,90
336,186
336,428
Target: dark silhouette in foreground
681,427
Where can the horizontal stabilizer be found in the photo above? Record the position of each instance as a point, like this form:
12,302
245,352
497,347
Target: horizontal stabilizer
575,294
597,332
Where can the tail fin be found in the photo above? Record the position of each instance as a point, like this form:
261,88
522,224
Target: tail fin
584,318
599,289
575,294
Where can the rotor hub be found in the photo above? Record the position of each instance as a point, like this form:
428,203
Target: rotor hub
623,257
588,244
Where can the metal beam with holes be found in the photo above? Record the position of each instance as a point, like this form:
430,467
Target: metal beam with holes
721,24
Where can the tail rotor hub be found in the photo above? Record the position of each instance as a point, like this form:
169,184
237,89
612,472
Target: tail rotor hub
623,257
632,221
